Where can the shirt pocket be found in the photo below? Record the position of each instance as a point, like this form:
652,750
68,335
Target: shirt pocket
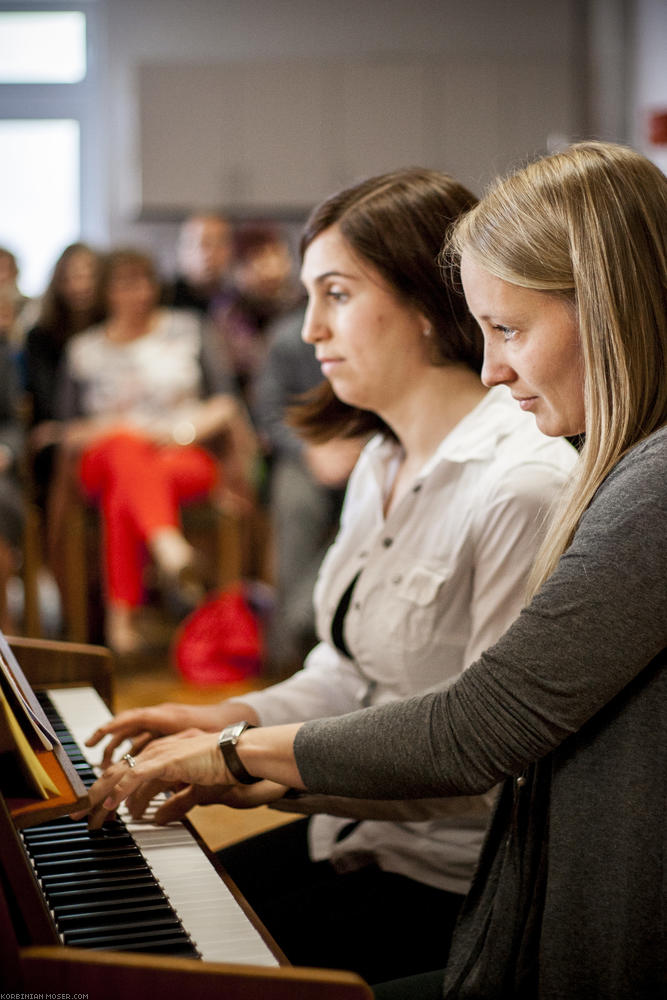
419,599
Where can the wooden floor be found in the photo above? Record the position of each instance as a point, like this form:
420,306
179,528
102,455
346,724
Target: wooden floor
153,679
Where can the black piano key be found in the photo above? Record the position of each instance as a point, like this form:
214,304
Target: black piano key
146,913
91,879
94,866
63,839
167,945
136,939
53,846
150,894
67,891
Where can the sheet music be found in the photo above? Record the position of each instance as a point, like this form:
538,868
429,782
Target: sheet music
25,716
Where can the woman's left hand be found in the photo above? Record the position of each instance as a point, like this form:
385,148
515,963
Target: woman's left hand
190,757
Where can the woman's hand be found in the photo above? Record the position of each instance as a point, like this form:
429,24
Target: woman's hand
142,725
239,797
188,758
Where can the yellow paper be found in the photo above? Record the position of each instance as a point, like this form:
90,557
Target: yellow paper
39,780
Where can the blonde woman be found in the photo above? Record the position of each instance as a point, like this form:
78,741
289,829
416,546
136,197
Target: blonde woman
564,268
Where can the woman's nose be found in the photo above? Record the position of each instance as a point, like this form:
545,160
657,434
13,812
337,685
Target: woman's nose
313,329
495,370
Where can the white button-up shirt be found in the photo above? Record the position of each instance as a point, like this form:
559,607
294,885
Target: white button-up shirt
440,579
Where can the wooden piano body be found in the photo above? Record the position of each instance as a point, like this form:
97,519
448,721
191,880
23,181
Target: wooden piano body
32,957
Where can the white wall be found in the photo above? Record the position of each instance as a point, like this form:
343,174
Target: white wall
649,75
526,33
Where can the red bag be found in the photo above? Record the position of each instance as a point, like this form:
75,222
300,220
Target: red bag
221,641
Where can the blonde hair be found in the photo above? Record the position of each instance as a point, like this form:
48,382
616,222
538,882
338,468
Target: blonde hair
588,224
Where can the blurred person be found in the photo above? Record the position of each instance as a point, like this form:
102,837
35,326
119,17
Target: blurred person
70,304
24,307
148,398
205,248
264,289
443,514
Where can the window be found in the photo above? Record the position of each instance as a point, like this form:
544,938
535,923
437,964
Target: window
43,213
49,169
42,46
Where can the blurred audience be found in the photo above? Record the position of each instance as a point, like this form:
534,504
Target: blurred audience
149,403
11,451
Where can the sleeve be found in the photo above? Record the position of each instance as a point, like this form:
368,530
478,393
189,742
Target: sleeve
216,364
11,431
288,370
394,810
509,529
38,376
271,395
327,685
595,625
67,393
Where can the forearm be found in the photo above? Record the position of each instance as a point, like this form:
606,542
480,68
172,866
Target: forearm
78,434
394,810
211,416
268,752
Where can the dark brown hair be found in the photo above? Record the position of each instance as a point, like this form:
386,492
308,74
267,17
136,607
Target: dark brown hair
396,222
55,316
131,260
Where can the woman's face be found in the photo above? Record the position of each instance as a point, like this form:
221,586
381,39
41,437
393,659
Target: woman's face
369,342
131,293
531,345
79,281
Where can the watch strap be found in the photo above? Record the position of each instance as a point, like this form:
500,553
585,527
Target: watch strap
227,741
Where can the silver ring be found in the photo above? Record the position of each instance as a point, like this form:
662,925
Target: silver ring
129,760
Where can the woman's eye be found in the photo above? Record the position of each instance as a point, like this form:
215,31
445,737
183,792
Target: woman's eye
337,295
508,332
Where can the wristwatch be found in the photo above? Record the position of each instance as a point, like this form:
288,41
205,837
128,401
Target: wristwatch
227,741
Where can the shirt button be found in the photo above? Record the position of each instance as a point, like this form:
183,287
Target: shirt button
357,605
396,579
416,488
363,555
387,542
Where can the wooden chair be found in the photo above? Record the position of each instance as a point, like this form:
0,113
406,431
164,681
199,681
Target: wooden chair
224,538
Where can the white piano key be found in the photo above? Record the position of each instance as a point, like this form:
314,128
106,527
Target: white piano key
213,918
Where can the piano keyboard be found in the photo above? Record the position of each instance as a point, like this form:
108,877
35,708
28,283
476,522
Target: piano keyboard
160,892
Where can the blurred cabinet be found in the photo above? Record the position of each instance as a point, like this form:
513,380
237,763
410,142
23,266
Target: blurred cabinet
277,137
261,136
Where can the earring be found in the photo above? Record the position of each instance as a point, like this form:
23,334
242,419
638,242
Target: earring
427,332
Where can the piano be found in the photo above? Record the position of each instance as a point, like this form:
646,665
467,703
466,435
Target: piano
130,901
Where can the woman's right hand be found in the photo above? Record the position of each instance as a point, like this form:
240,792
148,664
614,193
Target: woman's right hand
141,725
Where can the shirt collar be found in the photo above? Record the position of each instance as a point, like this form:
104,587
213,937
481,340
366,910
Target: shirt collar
474,438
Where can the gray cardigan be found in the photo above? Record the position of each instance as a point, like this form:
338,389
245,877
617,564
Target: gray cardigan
569,899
